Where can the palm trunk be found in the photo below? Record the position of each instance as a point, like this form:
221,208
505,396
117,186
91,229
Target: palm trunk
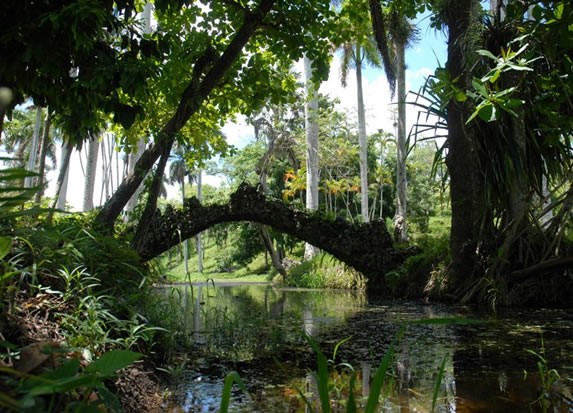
33,155
43,153
186,242
91,165
362,142
311,130
400,224
62,184
198,238
132,159
59,201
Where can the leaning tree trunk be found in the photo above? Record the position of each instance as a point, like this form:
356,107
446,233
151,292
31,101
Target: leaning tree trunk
400,225
362,141
208,71
461,156
311,130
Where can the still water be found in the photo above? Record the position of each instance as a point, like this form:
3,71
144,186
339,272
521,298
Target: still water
517,361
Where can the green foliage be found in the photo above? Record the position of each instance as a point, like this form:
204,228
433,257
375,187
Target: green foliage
324,271
88,319
420,273
327,373
548,377
68,387
230,379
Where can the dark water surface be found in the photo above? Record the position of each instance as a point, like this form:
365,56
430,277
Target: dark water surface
259,331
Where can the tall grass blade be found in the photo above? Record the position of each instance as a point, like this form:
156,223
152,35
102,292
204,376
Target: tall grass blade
230,379
321,376
378,381
351,402
438,383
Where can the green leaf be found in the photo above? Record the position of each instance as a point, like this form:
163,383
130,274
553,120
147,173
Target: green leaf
479,87
438,383
487,112
232,377
5,246
460,96
113,361
487,53
378,381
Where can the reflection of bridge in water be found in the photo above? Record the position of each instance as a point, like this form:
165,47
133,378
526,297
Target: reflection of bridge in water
366,247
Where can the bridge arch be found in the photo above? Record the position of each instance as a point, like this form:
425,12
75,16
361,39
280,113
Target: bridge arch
366,247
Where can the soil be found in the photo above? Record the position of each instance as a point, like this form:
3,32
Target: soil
29,324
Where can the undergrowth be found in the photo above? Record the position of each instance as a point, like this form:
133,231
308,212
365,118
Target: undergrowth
325,271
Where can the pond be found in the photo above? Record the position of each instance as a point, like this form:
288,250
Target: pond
501,364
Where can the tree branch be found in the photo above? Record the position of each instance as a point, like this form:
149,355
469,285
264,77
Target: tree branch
191,100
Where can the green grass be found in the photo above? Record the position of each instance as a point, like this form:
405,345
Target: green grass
256,271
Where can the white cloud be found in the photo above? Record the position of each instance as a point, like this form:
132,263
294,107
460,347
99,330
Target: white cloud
238,132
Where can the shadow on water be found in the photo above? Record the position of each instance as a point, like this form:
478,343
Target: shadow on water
258,330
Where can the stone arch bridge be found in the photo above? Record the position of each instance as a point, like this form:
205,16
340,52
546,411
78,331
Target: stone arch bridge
366,247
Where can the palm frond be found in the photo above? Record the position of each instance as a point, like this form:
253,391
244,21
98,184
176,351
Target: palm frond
381,36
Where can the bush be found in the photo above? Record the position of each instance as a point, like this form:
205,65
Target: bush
420,273
325,271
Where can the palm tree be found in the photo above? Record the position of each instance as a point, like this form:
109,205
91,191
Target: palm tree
33,154
393,33
177,173
402,34
359,51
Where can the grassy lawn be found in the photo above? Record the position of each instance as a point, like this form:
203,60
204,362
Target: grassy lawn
256,271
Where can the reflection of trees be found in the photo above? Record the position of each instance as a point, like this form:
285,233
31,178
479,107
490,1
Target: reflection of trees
246,322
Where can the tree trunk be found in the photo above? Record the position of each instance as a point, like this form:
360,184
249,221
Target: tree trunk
461,157
400,223
198,238
208,71
62,184
311,130
133,158
43,153
270,248
91,165
362,142
185,242
29,181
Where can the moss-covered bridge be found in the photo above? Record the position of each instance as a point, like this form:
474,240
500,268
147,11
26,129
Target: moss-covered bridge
366,247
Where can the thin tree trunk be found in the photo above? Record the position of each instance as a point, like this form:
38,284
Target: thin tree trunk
311,131
43,153
186,241
400,225
362,142
33,154
269,247
133,158
198,238
59,201
91,168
